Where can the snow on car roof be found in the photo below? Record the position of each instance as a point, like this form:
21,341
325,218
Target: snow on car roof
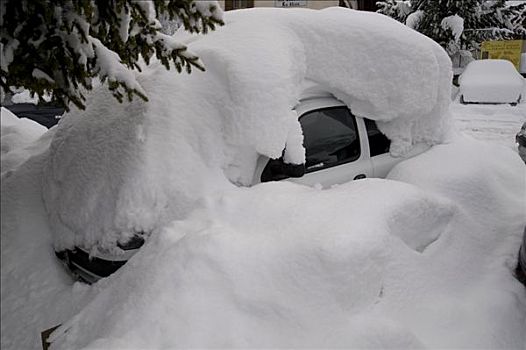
116,169
369,61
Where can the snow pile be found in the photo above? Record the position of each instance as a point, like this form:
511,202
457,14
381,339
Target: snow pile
374,65
36,291
284,266
473,295
119,169
491,81
16,135
277,265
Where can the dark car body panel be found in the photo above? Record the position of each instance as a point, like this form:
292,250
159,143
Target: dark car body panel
521,267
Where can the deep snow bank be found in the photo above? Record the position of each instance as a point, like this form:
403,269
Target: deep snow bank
36,292
120,169
276,265
16,135
462,293
285,266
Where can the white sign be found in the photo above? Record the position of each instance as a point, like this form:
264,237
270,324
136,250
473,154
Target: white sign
290,3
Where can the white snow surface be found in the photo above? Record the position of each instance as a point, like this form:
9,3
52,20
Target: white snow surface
491,81
16,135
288,262
421,260
133,167
495,123
457,293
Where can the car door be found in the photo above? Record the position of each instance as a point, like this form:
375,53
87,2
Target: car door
381,159
335,152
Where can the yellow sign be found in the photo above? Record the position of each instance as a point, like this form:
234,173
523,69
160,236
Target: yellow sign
503,49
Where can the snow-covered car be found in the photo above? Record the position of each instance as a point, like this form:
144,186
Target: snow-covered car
339,147
297,94
491,81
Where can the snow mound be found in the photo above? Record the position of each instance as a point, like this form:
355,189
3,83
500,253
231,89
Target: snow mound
374,65
465,281
119,169
277,265
280,265
16,135
461,179
491,81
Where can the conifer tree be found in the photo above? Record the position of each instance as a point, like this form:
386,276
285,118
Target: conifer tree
511,18
57,47
460,26
398,10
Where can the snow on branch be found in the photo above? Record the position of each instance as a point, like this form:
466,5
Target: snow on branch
66,43
454,23
121,80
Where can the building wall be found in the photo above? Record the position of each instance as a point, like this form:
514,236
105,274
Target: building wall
312,4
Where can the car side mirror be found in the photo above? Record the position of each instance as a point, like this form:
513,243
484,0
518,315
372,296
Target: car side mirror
293,170
277,169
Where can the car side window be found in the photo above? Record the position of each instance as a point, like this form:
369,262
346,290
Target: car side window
330,138
378,142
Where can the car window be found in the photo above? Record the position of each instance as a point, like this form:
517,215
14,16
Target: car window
378,142
330,138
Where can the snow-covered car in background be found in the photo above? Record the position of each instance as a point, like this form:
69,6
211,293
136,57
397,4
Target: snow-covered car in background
294,94
491,81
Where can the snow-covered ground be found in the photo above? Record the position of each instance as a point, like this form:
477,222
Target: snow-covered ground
254,273
497,123
422,259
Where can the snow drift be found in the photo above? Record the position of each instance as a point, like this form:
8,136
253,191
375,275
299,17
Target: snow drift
277,265
280,265
116,170
18,134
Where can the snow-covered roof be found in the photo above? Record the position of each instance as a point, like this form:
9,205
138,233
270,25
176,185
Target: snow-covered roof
116,169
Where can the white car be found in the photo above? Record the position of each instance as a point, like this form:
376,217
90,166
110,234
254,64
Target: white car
339,147
491,81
